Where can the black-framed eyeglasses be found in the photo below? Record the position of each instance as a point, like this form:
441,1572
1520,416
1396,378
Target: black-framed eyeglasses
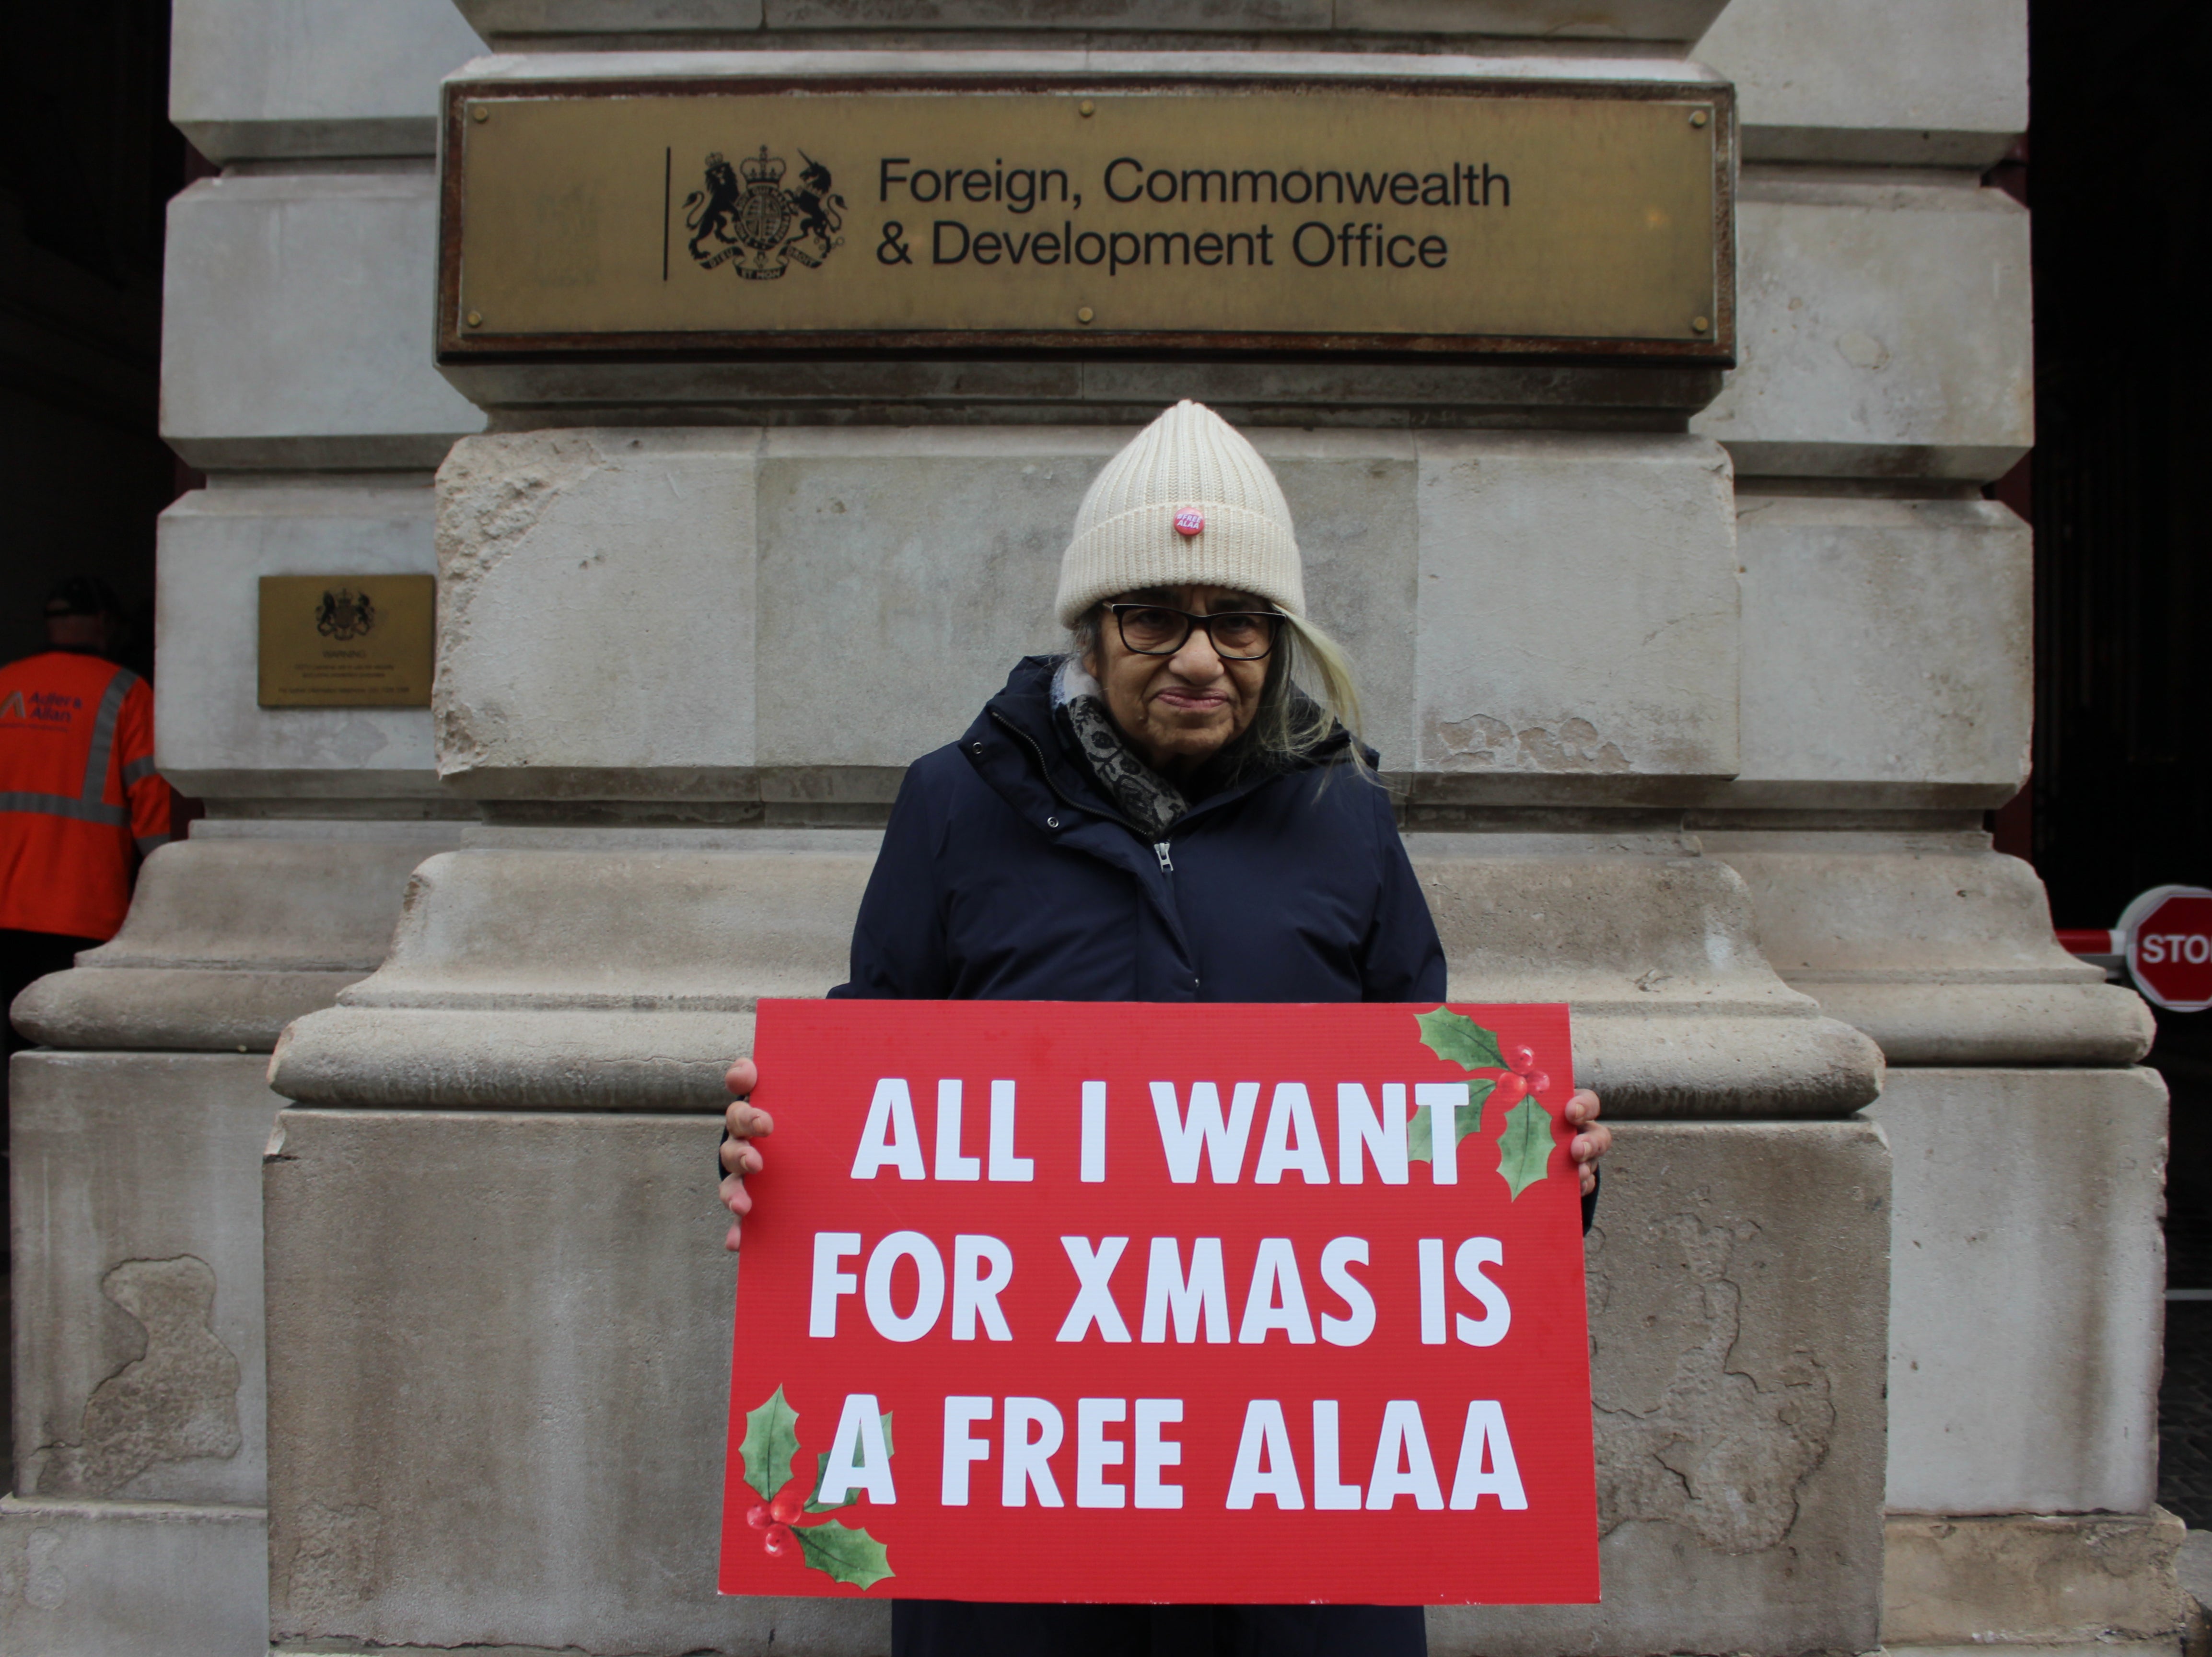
1154,630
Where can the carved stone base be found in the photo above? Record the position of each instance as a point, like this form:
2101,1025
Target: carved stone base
551,1478
137,1275
2032,1579
131,1578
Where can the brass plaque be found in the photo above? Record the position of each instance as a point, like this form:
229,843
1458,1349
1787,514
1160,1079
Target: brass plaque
347,641
1593,219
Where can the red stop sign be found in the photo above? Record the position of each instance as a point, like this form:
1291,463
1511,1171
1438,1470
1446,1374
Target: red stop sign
2169,933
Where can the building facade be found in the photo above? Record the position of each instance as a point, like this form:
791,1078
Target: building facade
367,1277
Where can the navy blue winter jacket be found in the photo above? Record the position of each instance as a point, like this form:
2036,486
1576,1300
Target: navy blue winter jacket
1007,874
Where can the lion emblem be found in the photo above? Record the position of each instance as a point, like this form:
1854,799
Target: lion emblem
713,211
344,613
757,226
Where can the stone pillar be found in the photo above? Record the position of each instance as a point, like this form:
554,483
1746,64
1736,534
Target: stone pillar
1884,377
295,374
697,619
534,1072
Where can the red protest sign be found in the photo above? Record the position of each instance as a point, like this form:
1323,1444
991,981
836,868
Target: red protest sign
1086,1301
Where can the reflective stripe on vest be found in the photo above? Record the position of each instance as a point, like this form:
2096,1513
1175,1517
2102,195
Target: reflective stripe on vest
88,807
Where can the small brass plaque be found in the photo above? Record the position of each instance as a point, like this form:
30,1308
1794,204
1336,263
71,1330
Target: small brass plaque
347,641
1588,218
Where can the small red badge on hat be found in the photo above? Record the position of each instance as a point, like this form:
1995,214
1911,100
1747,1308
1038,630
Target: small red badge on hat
1189,520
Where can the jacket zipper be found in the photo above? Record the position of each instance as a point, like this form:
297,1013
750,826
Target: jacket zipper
1160,847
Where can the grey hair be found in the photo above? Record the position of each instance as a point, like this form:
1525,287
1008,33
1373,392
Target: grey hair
1288,726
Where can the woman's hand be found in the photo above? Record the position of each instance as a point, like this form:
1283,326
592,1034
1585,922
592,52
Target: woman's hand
740,1156
1591,1141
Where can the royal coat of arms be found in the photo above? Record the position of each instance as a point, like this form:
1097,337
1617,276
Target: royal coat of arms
345,614
759,226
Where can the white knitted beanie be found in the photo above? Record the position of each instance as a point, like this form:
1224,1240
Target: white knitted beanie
1188,501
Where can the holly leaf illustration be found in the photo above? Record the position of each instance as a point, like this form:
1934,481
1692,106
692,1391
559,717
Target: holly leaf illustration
1420,1148
1524,1154
771,1441
1458,1038
843,1553
814,1504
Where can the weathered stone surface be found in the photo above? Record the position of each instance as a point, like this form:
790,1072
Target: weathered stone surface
2192,1568
1258,16
2163,1647
1675,1010
1836,376
230,938
2027,1268
768,555
1139,60
305,894
1671,20
136,1271
1930,943
599,606
623,977
553,1480
1817,81
1737,1276
128,1579
213,737
296,323
615,931
1577,610
179,1402
550,1061
856,531
1884,642
931,556
252,79
2101,1581
176,1008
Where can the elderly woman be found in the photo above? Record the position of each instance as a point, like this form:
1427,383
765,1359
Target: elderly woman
1161,814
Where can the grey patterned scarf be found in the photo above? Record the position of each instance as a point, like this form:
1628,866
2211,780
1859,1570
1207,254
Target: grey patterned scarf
1145,797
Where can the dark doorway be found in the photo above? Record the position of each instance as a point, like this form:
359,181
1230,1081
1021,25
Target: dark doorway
87,163
2122,795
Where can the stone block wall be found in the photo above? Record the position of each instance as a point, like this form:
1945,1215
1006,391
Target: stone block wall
1884,365
295,374
1695,687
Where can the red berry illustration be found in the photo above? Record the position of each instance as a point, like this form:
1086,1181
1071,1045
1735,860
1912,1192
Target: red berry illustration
1508,1090
1519,1059
1537,1082
843,1552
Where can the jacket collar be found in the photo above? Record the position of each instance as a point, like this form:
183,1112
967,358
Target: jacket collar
1050,775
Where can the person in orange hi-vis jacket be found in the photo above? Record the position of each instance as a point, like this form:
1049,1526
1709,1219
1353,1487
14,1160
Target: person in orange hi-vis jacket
80,802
